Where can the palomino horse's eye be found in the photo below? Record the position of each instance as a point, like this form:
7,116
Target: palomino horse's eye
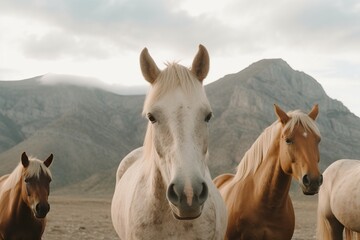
151,118
289,141
208,117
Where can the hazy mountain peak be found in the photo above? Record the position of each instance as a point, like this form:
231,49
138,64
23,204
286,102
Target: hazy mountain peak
271,62
90,82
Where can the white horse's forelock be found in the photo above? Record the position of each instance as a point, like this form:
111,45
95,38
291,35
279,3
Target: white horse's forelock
175,75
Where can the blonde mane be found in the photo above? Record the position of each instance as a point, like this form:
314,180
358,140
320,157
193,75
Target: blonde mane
257,152
34,169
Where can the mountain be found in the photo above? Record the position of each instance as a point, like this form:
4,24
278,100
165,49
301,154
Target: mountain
243,108
87,129
90,130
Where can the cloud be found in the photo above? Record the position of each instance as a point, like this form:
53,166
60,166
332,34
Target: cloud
56,79
126,24
245,26
58,44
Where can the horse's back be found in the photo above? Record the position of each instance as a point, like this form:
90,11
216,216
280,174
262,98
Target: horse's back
127,178
339,193
341,168
127,162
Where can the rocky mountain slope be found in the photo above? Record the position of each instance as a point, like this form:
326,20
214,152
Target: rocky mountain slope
243,106
89,130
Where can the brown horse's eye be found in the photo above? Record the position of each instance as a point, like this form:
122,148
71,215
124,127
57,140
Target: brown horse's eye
28,180
289,141
151,118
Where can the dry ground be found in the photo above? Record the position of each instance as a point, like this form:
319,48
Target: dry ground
80,218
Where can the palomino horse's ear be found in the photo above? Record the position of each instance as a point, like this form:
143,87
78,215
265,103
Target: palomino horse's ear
48,161
314,112
148,67
24,160
201,64
283,117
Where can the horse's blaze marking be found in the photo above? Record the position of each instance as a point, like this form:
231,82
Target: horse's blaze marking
189,192
305,134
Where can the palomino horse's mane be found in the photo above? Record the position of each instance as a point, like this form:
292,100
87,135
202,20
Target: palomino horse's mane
172,77
34,169
255,155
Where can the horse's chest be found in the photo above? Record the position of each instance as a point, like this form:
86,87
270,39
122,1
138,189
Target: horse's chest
260,223
23,231
172,229
159,223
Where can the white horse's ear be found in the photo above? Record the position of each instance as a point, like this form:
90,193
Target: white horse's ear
48,161
314,112
283,117
148,67
24,160
201,64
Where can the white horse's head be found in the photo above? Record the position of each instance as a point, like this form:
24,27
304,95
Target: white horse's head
177,136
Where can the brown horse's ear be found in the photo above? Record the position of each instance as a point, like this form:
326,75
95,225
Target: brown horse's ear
148,67
48,161
24,160
283,117
314,112
201,64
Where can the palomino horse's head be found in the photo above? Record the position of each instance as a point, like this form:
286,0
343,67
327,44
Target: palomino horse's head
36,179
177,136
299,152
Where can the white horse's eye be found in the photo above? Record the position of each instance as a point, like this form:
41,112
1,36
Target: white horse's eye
151,118
208,117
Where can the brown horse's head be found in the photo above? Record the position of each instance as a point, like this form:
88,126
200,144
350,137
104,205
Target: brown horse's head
36,179
299,152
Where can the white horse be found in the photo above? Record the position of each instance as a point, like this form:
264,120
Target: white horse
339,201
164,189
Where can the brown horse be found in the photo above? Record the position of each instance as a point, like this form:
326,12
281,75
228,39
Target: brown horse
24,199
257,196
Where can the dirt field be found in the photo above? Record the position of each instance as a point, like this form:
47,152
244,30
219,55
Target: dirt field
79,218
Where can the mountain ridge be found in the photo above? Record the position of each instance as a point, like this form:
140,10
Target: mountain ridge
90,130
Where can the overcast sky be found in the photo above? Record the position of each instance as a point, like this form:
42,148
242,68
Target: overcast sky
102,39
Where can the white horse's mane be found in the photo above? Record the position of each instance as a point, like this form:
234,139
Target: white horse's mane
255,155
34,169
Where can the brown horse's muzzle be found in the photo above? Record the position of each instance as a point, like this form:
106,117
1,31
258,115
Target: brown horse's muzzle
311,185
41,210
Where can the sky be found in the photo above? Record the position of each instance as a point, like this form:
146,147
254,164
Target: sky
100,40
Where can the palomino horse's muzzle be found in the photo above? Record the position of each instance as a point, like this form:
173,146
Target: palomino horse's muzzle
187,203
311,185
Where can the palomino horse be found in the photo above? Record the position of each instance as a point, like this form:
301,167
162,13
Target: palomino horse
164,189
339,201
257,196
24,200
